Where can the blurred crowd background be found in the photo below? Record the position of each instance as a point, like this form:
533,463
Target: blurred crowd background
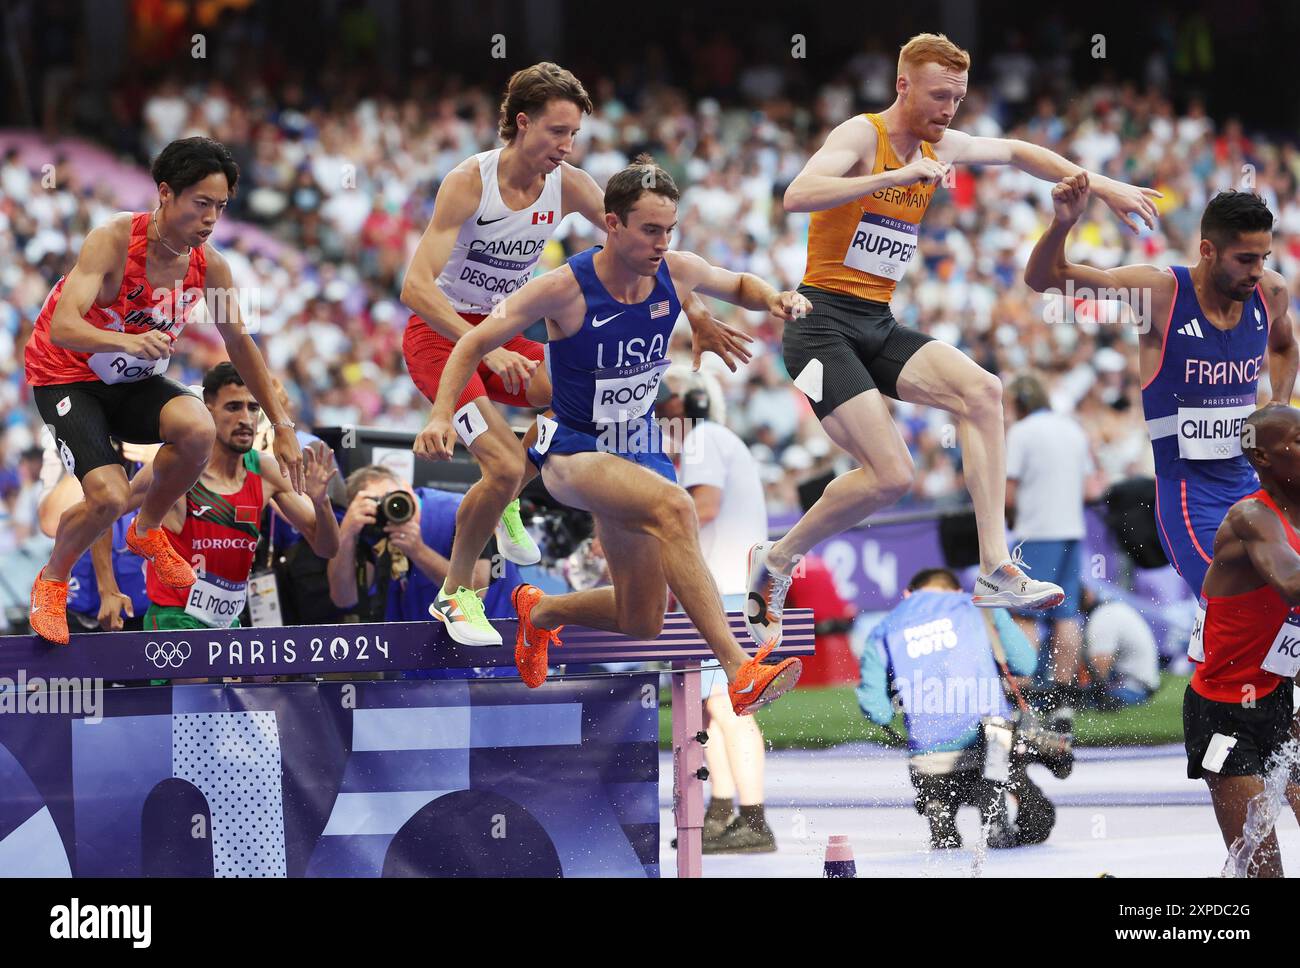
341,159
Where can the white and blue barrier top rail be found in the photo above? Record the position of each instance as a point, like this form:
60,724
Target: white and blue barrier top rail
308,650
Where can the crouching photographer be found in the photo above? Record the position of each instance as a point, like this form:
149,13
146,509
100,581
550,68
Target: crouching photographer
394,542
944,664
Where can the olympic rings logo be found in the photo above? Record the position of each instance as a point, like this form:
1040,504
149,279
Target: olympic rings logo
164,654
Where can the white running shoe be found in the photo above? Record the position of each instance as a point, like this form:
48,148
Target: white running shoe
765,603
462,613
513,540
1009,587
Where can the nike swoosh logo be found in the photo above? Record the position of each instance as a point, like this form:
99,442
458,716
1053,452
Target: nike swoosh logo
748,689
37,609
491,220
595,322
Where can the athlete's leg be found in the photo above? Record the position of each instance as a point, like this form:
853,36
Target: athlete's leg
187,433
1231,796
501,463
104,495
939,375
864,429
636,602
740,754
627,498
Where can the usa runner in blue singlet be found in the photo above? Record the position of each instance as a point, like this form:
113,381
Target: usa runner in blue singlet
609,313
605,377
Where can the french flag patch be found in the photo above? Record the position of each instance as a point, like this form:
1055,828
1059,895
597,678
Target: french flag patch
659,309
543,218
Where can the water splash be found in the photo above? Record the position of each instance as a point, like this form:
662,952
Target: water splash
1263,810
981,847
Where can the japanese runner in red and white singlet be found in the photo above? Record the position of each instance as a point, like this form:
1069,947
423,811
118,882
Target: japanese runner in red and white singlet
138,308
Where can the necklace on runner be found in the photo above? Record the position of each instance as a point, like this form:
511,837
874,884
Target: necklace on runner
163,241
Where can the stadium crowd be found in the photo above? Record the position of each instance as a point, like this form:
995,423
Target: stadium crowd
345,184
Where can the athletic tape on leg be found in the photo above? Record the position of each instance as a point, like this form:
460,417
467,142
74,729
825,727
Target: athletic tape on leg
810,380
1216,754
469,423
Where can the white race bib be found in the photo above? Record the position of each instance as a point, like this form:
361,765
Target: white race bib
469,423
1283,657
216,601
626,392
1196,645
1211,433
882,246
121,368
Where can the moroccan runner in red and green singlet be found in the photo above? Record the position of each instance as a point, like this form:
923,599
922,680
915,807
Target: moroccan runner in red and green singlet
219,538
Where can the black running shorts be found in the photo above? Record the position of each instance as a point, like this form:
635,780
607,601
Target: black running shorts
1259,730
858,343
83,416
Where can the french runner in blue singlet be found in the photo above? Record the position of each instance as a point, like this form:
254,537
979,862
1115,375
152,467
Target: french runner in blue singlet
1196,403
609,313
1205,334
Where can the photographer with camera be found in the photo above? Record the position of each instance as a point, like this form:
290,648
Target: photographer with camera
394,546
943,662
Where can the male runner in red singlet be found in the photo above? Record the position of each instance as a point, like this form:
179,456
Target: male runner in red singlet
1238,707
216,525
96,358
493,215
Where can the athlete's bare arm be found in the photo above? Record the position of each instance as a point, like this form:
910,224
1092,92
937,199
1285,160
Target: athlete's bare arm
457,200
1148,289
223,304
833,175
310,512
112,603
709,335
555,296
1250,550
1283,356
958,147
690,272
102,257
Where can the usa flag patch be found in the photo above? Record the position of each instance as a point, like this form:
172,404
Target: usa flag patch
659,309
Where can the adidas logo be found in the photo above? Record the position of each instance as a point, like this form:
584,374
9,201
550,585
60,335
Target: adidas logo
1193,329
